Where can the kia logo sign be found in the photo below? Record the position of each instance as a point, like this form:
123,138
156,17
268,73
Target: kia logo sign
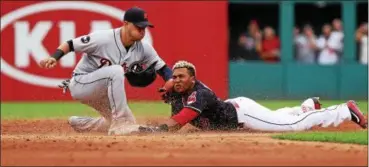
37,79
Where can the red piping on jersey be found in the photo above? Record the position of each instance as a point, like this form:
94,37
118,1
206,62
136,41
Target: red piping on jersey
185,116
317,106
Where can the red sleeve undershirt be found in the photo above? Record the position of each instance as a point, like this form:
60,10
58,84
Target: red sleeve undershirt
185,116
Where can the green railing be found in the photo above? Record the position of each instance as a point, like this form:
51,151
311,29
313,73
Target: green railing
298,81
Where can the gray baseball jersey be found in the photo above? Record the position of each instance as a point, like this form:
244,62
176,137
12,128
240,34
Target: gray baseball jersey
99,77
104,47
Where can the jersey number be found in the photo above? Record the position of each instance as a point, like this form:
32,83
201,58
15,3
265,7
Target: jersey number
104,62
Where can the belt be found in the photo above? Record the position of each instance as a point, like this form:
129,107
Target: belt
76,74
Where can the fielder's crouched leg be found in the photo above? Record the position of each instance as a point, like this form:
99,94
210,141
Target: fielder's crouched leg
103,90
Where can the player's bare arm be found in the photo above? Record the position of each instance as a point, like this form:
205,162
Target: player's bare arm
174,123
183,82
50,62
86,43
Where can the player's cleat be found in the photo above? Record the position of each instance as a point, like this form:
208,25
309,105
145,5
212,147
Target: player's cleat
123,130
122,126
356,115
77,122
311,104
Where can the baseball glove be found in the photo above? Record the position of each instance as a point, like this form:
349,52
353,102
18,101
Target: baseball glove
139,77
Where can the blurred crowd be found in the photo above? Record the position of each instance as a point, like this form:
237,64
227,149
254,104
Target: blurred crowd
257,44
325,49
362,40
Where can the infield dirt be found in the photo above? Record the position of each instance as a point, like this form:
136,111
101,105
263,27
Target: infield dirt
53,142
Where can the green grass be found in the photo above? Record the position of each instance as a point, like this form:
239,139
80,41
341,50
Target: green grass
66,109
38,110
357,137
35,110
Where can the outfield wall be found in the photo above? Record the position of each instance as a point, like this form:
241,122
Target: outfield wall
30,33
298,81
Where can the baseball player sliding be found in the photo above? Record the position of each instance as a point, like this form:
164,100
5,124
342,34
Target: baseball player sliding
109,57
193,102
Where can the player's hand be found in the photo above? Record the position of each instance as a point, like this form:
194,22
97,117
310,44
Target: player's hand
165,96
48,63
168,86
147,129
165,90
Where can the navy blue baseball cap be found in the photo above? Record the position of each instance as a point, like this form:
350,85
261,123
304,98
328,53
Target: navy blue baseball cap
138,17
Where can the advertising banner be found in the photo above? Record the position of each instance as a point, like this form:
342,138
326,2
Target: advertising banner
195,31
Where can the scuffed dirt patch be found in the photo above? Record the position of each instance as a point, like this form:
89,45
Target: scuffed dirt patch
53,142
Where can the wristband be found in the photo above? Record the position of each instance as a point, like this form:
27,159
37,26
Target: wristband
58,54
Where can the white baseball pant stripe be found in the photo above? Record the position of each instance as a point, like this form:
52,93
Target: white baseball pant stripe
257,117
